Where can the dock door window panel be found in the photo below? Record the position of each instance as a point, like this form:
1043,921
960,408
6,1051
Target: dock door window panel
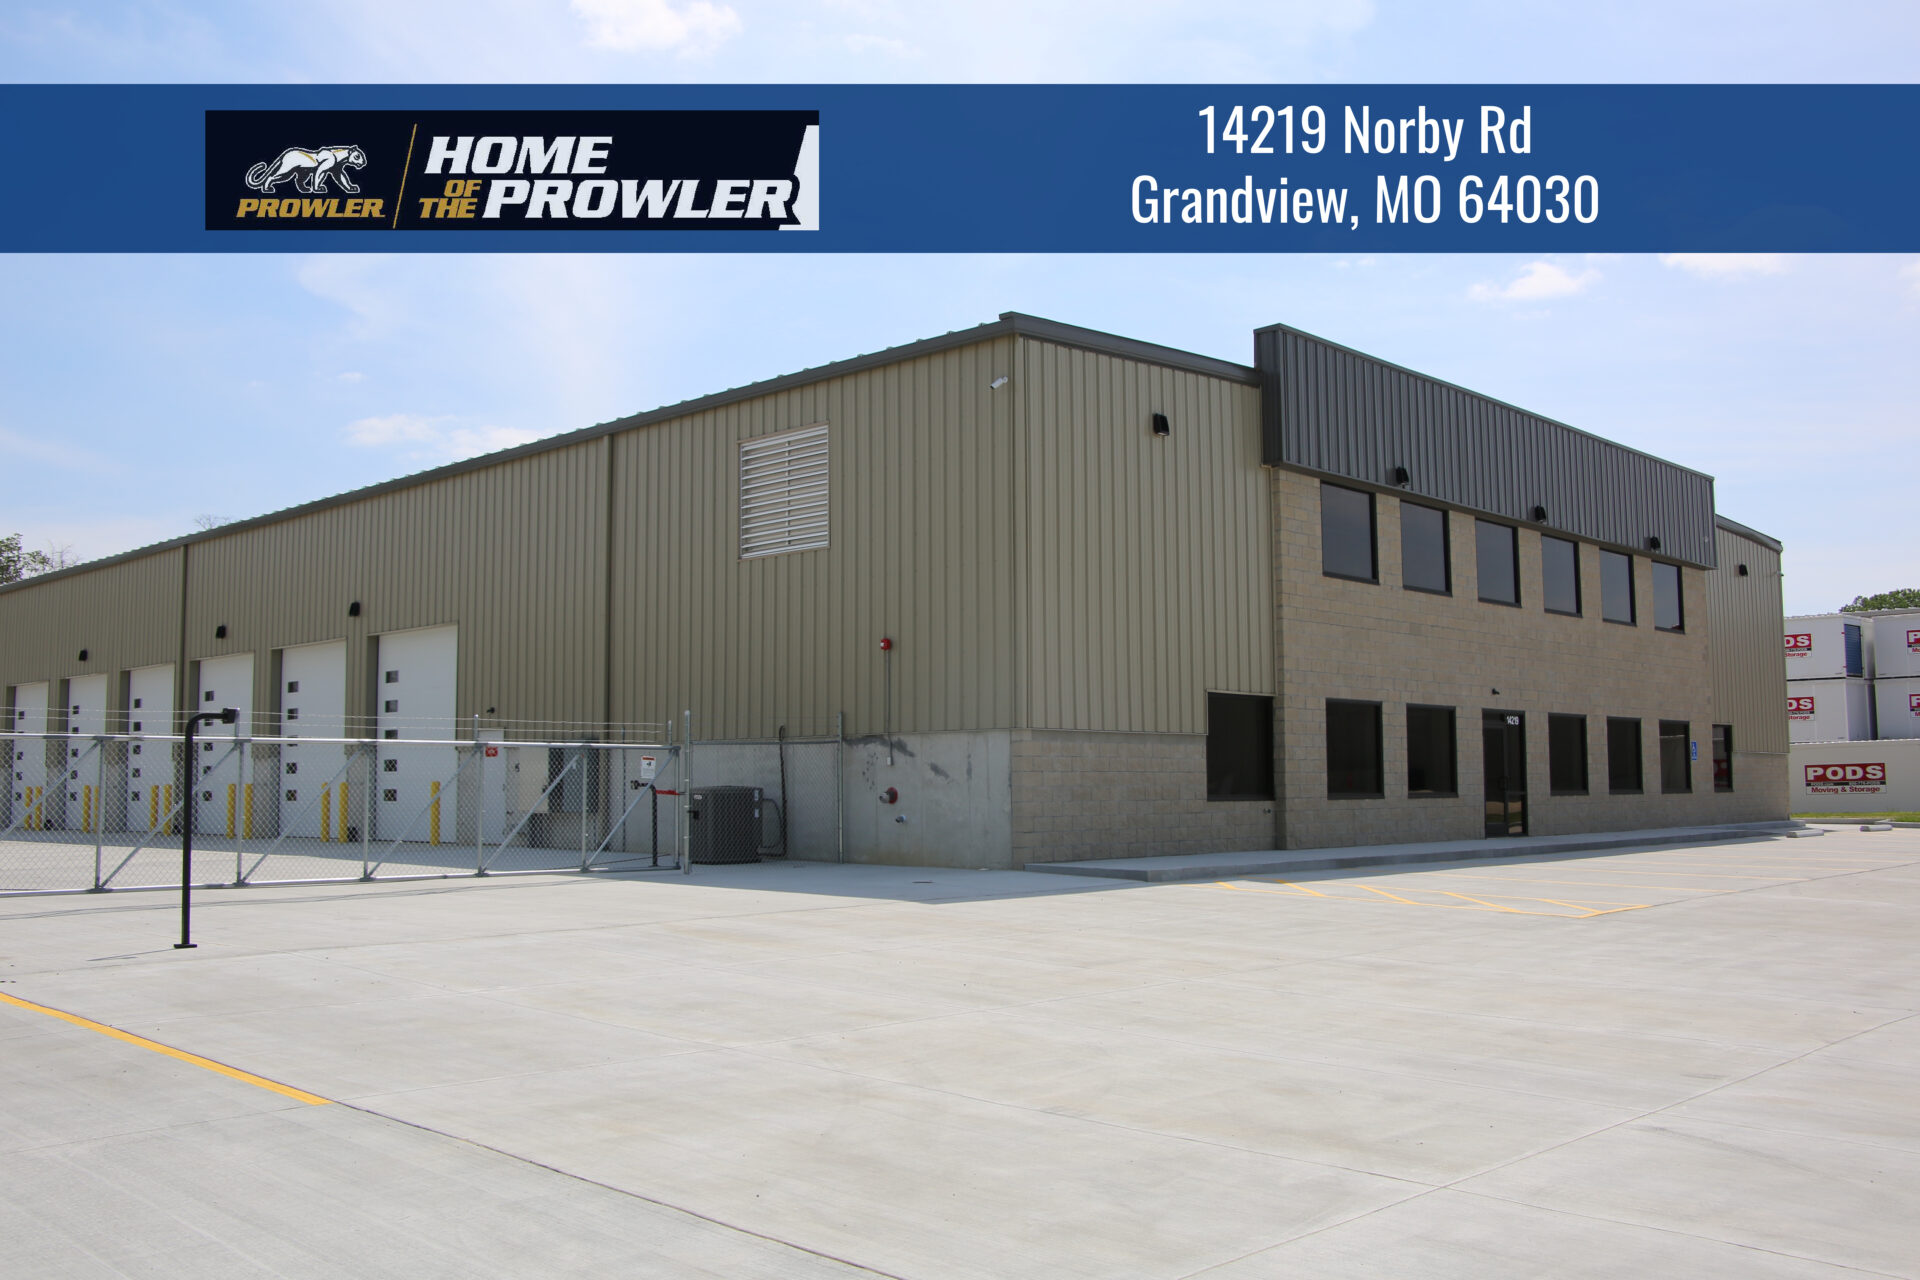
1497,545
783,492
1616,587
1353,750
1346,534
1560,575
1239,747
1425,562
1667,615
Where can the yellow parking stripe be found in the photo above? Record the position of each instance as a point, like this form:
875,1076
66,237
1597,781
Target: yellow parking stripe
234,1073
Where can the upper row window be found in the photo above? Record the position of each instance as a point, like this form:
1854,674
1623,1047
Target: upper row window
1346,534
1498,546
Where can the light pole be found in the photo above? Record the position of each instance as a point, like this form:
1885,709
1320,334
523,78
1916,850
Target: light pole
226,715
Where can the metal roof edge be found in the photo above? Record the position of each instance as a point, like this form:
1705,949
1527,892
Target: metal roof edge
1481,395
1073,335
1753,535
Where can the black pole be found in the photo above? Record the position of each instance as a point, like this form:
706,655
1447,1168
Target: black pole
186,844
226,715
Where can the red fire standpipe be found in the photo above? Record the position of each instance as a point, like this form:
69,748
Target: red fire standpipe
886,667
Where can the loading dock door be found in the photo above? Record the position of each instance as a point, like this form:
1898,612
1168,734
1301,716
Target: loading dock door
82,776
414,694
151,789
1504,749
224,682
28,771
313,704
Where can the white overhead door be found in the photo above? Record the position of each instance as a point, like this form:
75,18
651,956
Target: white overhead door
314,792
27,788
414,692
86,721
221,803
150,785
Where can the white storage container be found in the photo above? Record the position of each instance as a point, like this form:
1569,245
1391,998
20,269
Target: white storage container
1896,644
1899,706
1829,646
1829,711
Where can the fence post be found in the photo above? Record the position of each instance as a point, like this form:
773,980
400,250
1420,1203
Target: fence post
840,779
370,751
686,786
586,802
100,816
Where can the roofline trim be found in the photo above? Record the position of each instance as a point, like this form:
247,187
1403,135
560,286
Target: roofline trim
1009,324
1479,395
1752,535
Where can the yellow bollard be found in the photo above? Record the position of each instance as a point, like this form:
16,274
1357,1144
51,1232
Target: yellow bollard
230,790
326,814
434,809
173,823
86,808
153,807
341,818
247,830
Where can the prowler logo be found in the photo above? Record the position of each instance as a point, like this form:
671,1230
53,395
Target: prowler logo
316,166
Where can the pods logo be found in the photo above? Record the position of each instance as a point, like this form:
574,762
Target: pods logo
1799,644
1830,775
1799,708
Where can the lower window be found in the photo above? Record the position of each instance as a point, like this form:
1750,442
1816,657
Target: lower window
1676,757
1431,758
1723,757
1239,747
1567,755
1623,756
1353,750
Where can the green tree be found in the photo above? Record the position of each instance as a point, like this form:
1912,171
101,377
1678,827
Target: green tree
1899,598
16,562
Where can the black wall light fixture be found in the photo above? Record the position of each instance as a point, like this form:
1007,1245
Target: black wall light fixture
220,632
83,656
1161,427
1743,571
1539,515
353,610
1653,543
1401,476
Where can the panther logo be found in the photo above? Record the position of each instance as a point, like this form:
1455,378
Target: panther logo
316,165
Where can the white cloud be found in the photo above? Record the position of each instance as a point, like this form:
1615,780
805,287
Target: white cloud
351,375
1537,281
1726,266
420,438
54,453
629,25
886,45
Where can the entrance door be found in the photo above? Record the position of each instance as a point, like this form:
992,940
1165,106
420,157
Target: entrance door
1504,742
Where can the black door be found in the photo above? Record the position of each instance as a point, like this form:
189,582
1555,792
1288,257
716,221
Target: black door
1504,741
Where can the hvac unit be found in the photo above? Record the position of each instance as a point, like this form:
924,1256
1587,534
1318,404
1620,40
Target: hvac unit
725,824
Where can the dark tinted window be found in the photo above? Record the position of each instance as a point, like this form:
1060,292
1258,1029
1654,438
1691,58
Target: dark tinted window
1850,640
1676,765
1623,755
1567,755
1239,747
1499,572
1353,748
1616,587
1346,533
1723,757
1560,575
1425,564
1666,597
1431,768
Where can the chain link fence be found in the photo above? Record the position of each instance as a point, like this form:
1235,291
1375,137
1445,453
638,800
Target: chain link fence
798,812
106,812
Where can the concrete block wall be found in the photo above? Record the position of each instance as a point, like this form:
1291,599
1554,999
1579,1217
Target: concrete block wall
1383,643
1117,795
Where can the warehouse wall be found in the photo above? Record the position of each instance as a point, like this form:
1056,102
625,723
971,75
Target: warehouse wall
1749,674
124,615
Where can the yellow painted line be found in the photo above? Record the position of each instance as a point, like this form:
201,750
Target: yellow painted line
1597,884
221,1068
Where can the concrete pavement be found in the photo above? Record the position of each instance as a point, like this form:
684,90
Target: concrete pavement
1694,1060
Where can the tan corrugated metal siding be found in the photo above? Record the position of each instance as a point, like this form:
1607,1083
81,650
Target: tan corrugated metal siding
124,615
920,550
1743,644
1148,575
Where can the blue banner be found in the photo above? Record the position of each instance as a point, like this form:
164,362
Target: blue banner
983,168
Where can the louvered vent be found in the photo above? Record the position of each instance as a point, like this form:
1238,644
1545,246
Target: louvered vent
783,492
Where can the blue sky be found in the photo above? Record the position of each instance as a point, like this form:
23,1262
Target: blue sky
139,392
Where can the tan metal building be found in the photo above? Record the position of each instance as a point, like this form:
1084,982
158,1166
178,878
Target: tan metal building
1115,579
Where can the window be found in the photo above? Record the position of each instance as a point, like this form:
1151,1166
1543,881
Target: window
1499,571
1666,598
1431,768
1239,747
1623,756
1567,755
1723,757
1850,640
1346,534
1560,575
1676,765
1353,750
1616,587
1426,559
783,492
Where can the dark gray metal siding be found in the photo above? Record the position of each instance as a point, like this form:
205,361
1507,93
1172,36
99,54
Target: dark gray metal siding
1327,409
